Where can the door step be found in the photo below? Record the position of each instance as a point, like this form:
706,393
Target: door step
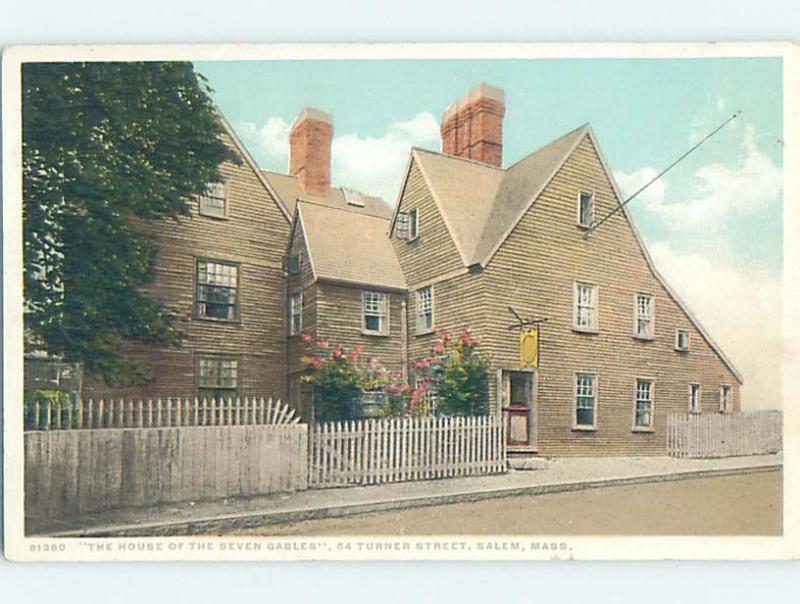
518,462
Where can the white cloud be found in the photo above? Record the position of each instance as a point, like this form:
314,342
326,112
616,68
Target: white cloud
722,192
372,165
741,309
271,140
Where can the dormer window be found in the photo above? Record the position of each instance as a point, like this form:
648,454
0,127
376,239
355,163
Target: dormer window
585,209
212,203
353,197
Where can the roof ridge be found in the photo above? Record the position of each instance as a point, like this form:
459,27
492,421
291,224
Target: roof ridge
329,207
457,158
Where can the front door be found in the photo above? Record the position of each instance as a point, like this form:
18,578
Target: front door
517,390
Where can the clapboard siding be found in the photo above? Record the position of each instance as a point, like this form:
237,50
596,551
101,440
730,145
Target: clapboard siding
433,253
342,308
458,302
535,269
254,235
303,281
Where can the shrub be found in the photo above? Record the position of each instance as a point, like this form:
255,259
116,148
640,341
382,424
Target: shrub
337,381
456,376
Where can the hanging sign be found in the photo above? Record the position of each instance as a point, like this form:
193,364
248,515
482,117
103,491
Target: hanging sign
529,347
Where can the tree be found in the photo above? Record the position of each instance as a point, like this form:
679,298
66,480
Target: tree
104,146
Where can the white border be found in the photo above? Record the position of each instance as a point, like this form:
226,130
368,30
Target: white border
613,548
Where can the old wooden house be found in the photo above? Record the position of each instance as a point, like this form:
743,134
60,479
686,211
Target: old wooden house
266,257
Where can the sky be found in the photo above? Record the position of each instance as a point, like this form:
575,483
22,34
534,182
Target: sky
713,224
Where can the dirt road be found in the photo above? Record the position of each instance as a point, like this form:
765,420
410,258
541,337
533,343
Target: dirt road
749,504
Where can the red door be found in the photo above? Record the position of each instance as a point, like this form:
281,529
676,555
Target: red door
517,407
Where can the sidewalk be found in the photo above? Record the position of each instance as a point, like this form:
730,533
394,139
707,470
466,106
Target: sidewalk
554,475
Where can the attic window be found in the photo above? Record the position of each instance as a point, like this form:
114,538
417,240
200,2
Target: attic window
585,209
682,340
413,225
354,198
213,202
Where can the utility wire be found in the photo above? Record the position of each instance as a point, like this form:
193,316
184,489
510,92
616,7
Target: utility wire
660,174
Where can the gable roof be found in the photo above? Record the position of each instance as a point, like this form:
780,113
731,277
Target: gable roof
349,247
480,204
289,189
237,142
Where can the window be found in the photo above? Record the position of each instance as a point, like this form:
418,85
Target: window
217,377
295,313
413,224
585,209
212,203
585,306
694,398
643,327
585,400
725,398
374,316
643,411
217,290
682,340
424,310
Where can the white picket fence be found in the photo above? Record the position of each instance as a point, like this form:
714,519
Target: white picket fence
404,449
724,435
159,413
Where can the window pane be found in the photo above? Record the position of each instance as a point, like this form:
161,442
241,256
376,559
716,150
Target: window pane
372,323
585,416
586,209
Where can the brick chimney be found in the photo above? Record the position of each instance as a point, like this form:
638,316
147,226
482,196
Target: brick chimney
473,127
310,150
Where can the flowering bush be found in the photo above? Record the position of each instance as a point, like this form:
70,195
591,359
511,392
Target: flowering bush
456,376
337,379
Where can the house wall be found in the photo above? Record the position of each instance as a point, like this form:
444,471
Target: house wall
535,270
302,281
433,253
433,260
340,312
254,235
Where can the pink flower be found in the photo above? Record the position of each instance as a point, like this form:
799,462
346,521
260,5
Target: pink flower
374,364
313,361
443,335
337,353
305,338
437,348
355,353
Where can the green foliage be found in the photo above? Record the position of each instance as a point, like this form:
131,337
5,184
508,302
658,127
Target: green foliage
105,145
459,375
337,380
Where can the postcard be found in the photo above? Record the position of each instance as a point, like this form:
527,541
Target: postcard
418,301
